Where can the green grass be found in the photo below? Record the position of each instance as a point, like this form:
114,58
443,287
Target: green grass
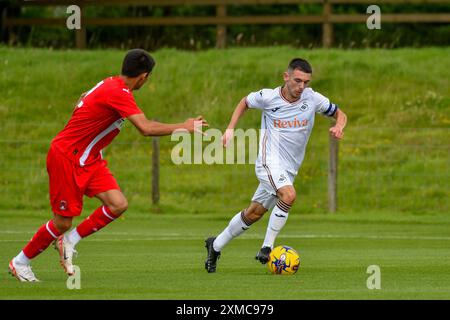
161,257
394,177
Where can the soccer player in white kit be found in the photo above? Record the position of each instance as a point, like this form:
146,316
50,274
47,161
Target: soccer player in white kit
287,120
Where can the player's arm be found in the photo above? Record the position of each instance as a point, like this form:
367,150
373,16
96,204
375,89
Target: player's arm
337,131
237,114
154,128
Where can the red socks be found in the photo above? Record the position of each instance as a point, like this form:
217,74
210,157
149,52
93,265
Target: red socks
41,240
96,221
48,232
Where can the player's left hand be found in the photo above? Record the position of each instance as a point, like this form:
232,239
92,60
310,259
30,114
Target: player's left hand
337,132
196,124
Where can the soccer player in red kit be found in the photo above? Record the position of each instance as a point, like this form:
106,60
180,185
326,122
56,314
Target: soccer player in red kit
76,167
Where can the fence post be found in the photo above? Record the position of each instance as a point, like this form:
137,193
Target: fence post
155,170
332,172
80,34
221,32
327,26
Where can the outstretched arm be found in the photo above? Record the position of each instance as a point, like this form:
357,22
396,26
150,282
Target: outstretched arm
237,114
154,128
337,131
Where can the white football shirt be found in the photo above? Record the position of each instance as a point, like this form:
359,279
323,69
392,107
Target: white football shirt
286,126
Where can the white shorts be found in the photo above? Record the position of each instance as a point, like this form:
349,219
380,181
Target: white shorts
270,180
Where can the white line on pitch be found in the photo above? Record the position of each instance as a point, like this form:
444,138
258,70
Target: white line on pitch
182,237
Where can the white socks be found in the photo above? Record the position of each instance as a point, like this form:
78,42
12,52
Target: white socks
277,220
238,224
73,237
21,258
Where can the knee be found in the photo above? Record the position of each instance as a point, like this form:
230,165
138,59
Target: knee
288,196
62,225
119,207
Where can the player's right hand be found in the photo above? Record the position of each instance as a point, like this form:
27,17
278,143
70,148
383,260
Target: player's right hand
227,136
337,132
196,124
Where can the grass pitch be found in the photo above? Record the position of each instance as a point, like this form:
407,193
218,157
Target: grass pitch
162,256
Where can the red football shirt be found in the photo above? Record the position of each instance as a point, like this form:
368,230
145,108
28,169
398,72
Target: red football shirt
96,120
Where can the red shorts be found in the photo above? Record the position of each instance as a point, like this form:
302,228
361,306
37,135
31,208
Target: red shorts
69,182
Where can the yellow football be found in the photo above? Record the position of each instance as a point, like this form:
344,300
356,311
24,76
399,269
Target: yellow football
284,260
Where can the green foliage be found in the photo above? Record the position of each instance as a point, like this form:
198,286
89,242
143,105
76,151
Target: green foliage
200,37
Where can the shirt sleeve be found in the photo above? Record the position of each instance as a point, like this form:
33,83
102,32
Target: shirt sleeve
123,102
323,105
255,100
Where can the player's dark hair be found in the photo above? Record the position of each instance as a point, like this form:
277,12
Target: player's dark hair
136,62
300,64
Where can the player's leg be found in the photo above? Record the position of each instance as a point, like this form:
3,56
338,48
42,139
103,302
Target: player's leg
114,204
261,202
286,198
19,266
102,185
240,223
66,203
282,183
237,225
62,223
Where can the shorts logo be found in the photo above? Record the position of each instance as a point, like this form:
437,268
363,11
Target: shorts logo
304,106
63,205
282,178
